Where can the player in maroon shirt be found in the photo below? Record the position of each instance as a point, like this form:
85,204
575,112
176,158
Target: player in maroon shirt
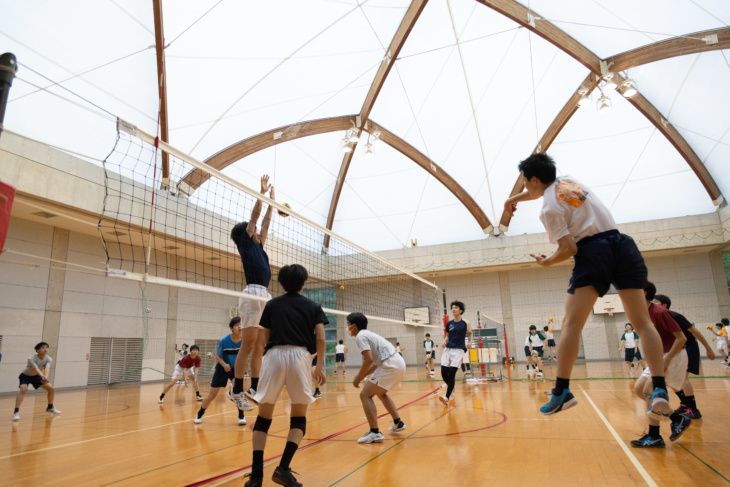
187,367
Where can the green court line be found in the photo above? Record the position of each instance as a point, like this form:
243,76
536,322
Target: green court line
703,462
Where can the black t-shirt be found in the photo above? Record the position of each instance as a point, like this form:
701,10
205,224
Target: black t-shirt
255,262
291,319
685,326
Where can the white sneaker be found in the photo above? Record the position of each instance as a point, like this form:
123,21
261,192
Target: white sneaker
241,421
16,416
160,400
239,400
53,411
199,398
371,437
197,420
539,374
251,393
444,400
395,428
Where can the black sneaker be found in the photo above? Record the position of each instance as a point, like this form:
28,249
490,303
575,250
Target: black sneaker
696,414
317,394
283,476
647,441
678,427
253,482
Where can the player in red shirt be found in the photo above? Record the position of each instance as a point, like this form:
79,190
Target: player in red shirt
187,367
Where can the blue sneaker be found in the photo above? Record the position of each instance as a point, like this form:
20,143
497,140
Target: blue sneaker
659,404
678,427
647,441
558,403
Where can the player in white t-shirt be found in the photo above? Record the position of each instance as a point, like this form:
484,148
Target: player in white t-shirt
340,356
430,347
583,228
36,375
387,366
630,343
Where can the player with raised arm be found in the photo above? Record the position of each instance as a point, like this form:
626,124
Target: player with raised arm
583,228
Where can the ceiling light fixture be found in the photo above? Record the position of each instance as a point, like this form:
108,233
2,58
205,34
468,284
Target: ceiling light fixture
584,97
609,83
369,154
603,104
628,88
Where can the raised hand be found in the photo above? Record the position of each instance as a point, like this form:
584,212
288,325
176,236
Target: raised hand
271,193
265,183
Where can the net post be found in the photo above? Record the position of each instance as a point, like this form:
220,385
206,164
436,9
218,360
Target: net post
8,68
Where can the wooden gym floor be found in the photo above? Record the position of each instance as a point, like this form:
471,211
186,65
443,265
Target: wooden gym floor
494,436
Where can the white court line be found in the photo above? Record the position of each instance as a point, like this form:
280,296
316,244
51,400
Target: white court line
102,437
639,467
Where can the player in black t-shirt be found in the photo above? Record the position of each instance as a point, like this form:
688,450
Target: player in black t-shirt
293,328
687,394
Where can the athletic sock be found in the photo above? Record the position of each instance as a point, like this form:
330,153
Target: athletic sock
397,422
289,450
240,413
238,387
255,383
674,417
658,382
17,410
375,430
691,403
654,431
317,390
201,412
162,396
560,385
50,406
197,393
682,397
257,467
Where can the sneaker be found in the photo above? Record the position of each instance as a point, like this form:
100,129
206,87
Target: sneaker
241,421
371,437
16,416
444,400
564,401
659,407
696,414
53,411
199,398
239,400
678,427
452,403
250,394
647,441
160,400
253,482
317,394
397,427
540,374
198,420
283,476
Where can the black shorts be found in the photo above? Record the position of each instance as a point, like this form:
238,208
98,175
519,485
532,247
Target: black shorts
314,361
34,380
608,258
693,357
538,350
431,355
551,343
632,353
221,377
528,353
339,357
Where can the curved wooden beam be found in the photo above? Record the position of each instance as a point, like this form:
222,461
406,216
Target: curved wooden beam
677,46
396,44
162,85
246,147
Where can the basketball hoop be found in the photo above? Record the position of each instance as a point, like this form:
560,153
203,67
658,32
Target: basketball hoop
609,311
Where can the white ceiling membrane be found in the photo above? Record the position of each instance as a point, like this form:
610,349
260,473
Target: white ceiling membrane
471,90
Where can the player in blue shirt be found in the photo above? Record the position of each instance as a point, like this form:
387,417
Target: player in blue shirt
226,354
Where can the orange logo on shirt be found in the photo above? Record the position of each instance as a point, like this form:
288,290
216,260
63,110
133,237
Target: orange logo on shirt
571,193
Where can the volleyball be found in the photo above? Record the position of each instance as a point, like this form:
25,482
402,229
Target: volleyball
146,310
709,327
281,213
209,355
342,287
551,319
534,353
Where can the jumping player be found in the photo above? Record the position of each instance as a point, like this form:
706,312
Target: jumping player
629,343
187,367
228,348
36,374
387,367
581,226
256,268
454,349
293,328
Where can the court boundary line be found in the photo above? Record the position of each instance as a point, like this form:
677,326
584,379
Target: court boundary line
644,474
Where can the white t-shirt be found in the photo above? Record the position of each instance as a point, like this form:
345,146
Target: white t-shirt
549,334
428,344
570,208
630,339
381,348
35,361
527,341
535,339
339,348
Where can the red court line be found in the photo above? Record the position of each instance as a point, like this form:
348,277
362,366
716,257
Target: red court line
316,442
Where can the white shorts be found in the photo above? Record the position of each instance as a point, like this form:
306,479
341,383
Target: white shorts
286,365
722,346
251,309
389,373
179,371
676,372
452,357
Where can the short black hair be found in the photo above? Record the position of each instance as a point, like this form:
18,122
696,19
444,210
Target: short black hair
428,334
628,324
533,327
292,277
650,290
725,321
540,166
237,230
234,322
340,342
397,343
194,347
459,304
664,300
185,345
716,324
545,328
41,344
359,320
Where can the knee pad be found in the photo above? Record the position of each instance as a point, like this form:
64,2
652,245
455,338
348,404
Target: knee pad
262,424
299,422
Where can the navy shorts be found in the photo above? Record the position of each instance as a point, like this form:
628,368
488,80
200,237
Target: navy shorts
551,343
608,258
339,357
221,377
527,351
431,354
34,380
538,350
632,353
314,361
693,357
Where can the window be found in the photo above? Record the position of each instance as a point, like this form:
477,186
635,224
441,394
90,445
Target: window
327,298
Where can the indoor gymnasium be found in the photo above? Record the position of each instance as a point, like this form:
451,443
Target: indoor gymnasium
364,242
